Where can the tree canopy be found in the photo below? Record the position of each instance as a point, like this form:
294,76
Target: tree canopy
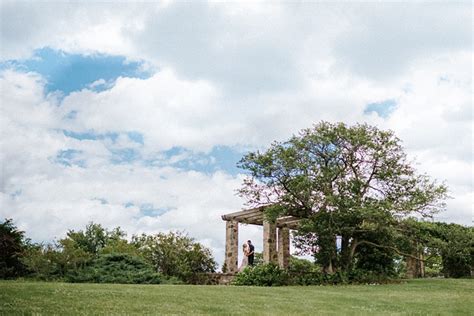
12,246
354,182
175,254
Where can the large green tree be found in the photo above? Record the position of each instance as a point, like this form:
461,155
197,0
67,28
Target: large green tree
348,182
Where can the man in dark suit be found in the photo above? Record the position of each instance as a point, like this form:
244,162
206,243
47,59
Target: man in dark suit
250,256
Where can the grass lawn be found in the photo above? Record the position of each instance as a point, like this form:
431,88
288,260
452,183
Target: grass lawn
422,297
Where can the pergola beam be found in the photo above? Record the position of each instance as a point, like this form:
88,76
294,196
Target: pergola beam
255,216
243,214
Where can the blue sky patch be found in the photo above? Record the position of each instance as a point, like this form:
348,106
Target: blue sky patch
148,209
383,108
223,158
124,156
91,135
72,72
135,137
69,158
71,115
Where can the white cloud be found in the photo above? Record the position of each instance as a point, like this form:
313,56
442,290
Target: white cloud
235,75
85,27
167,110
47,198
386,38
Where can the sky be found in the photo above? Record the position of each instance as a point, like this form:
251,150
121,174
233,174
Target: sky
135,114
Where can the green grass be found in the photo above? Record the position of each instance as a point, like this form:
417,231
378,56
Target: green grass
416,297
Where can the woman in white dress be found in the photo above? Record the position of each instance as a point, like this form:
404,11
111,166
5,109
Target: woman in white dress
245,260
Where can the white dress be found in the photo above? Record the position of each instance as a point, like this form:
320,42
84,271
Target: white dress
245,260
244,263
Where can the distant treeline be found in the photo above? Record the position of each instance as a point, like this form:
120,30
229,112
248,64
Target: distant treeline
98,255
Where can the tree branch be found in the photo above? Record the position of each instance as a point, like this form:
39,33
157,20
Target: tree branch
390,247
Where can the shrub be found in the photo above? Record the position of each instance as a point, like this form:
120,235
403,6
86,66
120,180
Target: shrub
262,275
171,280
339,277
359,276
308,278
44,262
176,254
304,272
116,268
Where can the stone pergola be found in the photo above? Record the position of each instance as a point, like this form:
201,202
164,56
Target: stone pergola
276,236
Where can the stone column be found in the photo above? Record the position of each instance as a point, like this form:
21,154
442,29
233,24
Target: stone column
283,247
269,242
231,246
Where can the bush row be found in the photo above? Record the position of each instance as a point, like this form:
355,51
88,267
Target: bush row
116,268
272,275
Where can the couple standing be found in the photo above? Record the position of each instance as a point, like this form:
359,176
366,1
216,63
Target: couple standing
248,250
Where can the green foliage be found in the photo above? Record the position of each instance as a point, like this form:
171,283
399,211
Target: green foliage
301,265
262,275
12,247
304,272
258,258
363,276
72,256
447,248
457,252
119,246
175,254
99,255
455,244
346,181
377,260
44,262
95,238
116,268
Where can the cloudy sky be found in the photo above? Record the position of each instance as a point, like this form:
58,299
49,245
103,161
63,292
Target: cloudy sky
135,114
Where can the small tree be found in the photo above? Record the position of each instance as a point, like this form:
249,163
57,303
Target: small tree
175,254
348,182
12,247
77,250
446,248
94,238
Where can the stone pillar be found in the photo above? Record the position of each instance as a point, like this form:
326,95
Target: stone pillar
269,242
283,247
422,265
231,246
